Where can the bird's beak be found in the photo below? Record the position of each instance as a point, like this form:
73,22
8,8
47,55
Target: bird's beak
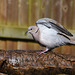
26,31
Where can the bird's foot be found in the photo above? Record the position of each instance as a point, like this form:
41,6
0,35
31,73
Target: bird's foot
42,52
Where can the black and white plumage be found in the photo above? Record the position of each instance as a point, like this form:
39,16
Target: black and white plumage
50,34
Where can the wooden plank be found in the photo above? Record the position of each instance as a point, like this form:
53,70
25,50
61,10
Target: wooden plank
72,50
73,26
13,32
37,46
45,8
11,45
56,10
48,8
22,45
66,50
2,45
23,16
25,45
3,12
42,9
12,12
58,50
29,12
67,10
30,45
35,11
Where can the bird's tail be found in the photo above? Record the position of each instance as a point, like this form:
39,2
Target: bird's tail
72,42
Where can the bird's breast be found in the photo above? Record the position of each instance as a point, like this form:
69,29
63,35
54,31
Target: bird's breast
50,39
47,36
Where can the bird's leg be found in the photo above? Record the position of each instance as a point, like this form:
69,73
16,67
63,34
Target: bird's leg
42,52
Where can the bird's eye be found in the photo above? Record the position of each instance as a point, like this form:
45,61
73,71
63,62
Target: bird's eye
31,28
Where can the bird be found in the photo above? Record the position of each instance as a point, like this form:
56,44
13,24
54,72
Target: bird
50,34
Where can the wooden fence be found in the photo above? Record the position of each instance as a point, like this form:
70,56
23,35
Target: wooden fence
17,15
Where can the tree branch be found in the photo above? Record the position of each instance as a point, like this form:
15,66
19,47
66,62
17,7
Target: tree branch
20,62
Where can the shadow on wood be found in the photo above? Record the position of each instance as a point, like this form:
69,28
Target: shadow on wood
22,62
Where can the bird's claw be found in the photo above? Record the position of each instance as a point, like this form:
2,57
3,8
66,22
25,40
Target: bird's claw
42,52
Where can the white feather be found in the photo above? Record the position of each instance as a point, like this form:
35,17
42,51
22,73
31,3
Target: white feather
49,37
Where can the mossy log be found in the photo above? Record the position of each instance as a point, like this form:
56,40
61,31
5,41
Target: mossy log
22,62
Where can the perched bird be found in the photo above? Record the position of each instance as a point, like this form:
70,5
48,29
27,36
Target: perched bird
50,34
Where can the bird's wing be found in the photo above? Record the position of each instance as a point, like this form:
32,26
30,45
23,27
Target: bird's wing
50,23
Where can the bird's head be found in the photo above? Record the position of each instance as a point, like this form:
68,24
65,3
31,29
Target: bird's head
32,29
